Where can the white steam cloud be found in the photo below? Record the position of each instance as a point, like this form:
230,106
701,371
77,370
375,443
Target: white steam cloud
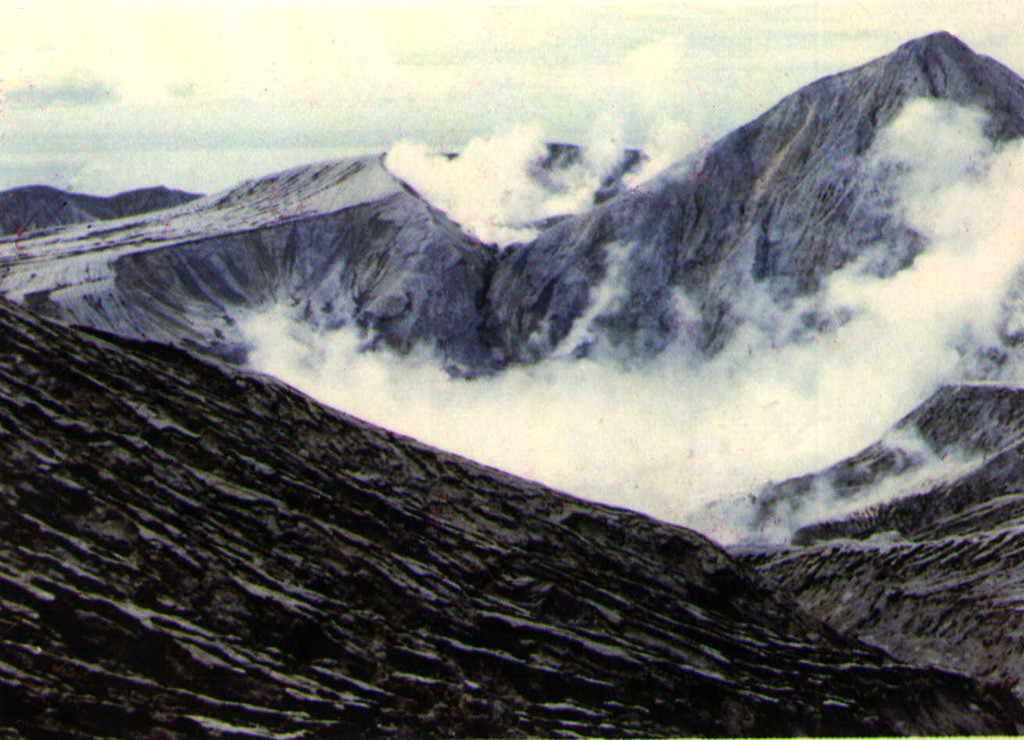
750,520
668,142
495,188
672,436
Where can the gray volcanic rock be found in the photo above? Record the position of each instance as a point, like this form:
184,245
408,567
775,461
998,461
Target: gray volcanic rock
952,602
933,577
761,219
977,424
28,209
189,550
333,243
771,209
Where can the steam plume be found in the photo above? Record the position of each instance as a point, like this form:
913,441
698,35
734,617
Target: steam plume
672,436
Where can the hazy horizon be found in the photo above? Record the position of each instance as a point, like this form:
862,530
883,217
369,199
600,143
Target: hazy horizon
101,99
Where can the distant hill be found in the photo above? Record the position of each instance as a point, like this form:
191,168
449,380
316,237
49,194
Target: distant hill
36,207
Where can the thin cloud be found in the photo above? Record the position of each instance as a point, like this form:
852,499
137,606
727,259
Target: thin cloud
71,91
181,90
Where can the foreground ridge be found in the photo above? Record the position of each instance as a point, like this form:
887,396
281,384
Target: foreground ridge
187,549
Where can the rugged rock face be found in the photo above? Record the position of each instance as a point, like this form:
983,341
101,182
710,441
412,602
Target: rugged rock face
770,210
763,217
188,550
978,425
934,577
28,209
331,243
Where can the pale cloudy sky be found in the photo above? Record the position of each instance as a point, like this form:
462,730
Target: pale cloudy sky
102,96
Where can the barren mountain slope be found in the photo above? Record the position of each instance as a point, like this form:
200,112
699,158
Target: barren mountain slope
935,577
772,208
189,550
332,243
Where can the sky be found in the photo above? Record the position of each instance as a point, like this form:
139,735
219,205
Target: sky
99,97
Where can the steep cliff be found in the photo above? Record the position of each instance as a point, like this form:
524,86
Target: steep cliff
334,243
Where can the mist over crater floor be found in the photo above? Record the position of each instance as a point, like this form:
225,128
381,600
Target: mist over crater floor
643,401
764,306
802,339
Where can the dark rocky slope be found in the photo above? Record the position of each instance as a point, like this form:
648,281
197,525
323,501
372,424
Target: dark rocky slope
187,550
36,207
935,577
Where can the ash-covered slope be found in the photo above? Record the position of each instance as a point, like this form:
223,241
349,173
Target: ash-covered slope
771,209
331,243
27,209
934,577
962,431
188,550
982,424
764,216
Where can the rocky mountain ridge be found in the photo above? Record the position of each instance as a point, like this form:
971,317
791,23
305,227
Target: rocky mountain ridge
770,210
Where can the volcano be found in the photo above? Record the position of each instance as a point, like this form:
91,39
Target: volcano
772,208
192,548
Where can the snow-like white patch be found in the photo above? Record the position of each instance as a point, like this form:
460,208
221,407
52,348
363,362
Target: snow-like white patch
216,725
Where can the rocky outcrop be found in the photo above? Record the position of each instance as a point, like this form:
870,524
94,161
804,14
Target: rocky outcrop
933,577
36,207
187,550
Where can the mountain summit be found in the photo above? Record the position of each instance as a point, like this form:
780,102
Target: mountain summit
776,205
